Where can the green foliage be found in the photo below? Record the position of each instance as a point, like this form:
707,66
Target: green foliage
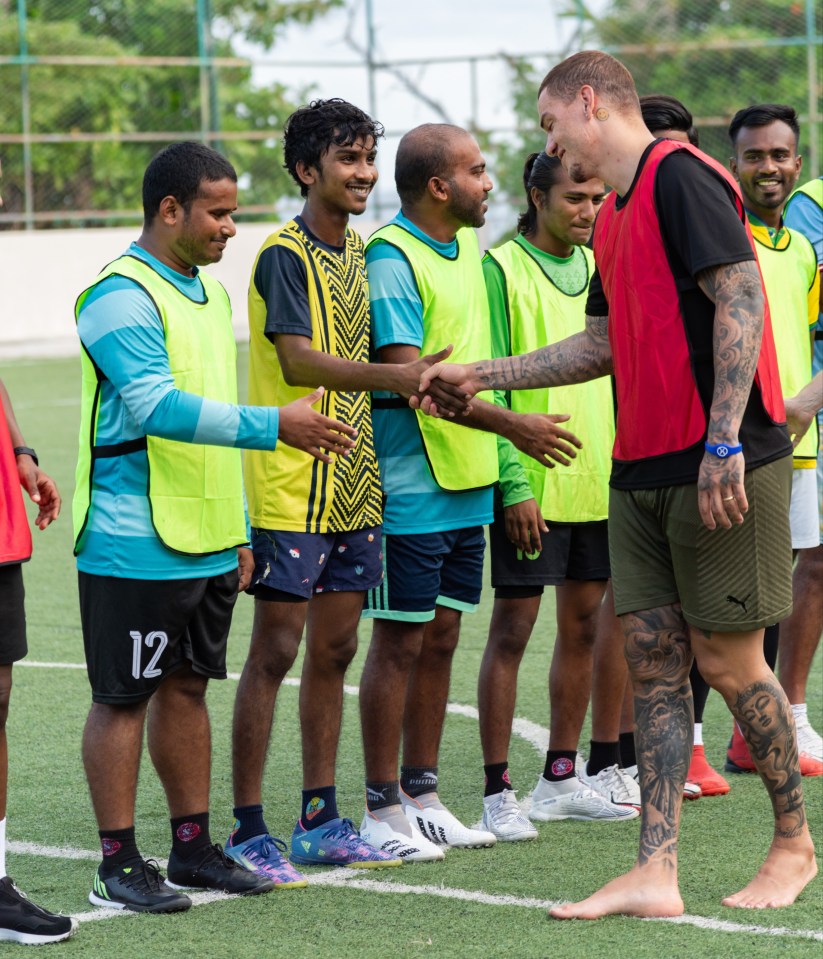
133,99
731,54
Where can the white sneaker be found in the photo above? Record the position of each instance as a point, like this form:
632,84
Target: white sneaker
690,790
436,823
615,785
808,741
503,816
573,799
390,831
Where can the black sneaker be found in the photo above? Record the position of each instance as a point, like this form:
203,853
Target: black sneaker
140,888
21,920
213,869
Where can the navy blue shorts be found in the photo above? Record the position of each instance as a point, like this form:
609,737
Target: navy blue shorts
302,564
428,570
576,551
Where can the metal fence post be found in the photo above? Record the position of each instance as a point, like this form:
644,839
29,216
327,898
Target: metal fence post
25,112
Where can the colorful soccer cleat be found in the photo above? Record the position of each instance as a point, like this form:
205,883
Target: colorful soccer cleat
337,843
701,773
264,855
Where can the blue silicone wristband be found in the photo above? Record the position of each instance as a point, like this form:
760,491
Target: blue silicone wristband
722,450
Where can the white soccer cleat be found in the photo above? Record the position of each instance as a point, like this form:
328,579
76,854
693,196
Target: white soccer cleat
615,784
574,799
503,817
435,822
809,741
389,830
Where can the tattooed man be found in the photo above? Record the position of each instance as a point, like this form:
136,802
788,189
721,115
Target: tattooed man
677,312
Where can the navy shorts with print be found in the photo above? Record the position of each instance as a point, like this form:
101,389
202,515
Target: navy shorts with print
426,570
302,564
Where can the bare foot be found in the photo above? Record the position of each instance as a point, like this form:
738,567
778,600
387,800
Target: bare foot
642,891
779,881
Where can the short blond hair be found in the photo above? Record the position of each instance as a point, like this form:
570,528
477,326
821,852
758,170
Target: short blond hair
601,71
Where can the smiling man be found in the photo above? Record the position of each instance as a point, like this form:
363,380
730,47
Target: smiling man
767,164
315,529
159,520
701,472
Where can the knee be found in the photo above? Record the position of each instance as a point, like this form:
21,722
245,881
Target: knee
718,674
509,640
338,654
186,685
441,642
274,658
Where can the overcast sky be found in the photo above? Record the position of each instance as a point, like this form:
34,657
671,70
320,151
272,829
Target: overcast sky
414,29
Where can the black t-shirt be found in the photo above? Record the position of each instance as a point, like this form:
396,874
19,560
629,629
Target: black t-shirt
701,228
281,279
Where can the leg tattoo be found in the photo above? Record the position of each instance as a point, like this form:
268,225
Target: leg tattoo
659,656
765,719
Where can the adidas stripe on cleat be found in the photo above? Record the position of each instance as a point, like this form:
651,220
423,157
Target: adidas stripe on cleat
389,830
441,827
139,888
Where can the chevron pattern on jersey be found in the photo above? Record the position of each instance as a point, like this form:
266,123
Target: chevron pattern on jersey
352,493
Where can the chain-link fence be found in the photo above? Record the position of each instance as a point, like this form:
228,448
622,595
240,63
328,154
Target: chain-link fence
92,88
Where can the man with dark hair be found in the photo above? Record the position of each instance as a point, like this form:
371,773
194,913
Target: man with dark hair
315,532
161,534
666,117
427,288
767,164
698,509
550,529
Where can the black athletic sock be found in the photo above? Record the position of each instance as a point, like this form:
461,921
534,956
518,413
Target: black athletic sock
417,780
379,795
497,778
770,637
119,849
628,757
602,756
700,692
319,807
190,835
559,764
248,823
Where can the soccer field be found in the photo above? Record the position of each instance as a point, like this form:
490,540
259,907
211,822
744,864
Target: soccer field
476,903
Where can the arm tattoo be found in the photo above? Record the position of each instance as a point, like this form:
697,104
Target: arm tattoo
659,655
583,356
737,293
763,714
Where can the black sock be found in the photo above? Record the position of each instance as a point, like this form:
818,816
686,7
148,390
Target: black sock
190,834
771,636
319,807
602,756
628,757
559,764
417,780
700,692
119,849
379,795
497,778
248,823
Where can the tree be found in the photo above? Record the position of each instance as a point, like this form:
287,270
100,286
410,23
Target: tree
137,99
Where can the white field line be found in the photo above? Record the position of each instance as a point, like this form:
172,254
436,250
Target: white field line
351,878
535,735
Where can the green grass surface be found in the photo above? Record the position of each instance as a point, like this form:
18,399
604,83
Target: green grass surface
723,839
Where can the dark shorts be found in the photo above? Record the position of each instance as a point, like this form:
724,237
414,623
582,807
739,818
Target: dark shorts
726,580
138,631
13,644
578,551
427,570
296,565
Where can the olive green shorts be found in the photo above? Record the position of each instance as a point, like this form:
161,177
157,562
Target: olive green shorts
726,580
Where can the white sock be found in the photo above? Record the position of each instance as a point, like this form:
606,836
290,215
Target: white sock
801,713
698,734
2,848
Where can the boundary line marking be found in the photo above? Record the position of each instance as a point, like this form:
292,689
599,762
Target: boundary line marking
351,878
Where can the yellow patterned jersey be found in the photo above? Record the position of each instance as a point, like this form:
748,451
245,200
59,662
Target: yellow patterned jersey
288,489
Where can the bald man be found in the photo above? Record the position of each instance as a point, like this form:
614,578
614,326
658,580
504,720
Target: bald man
426,286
